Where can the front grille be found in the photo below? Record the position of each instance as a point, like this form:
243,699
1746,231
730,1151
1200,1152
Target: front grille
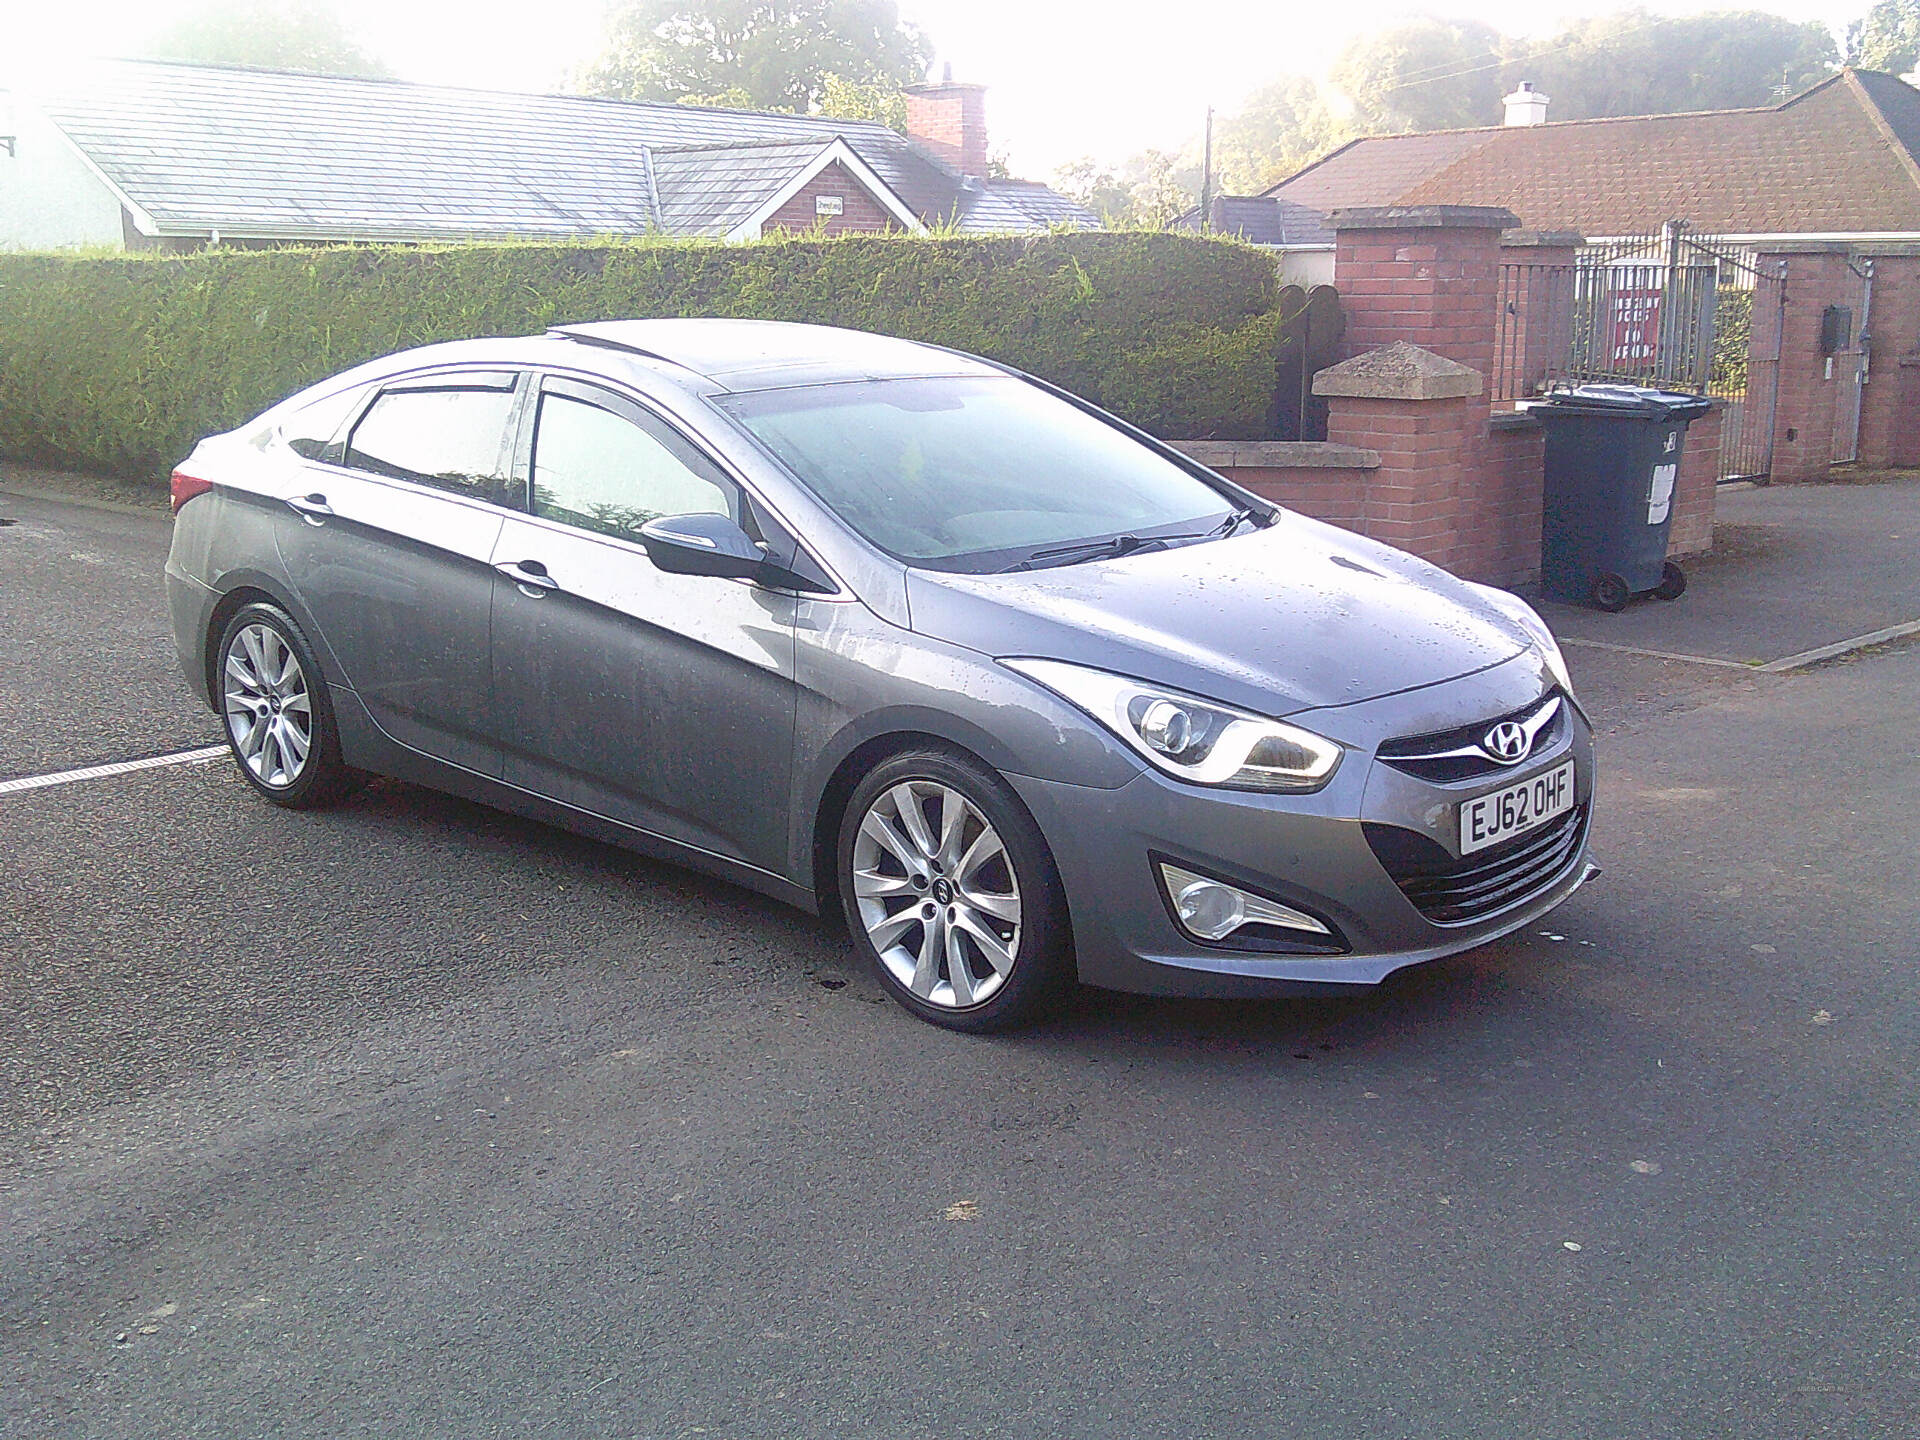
1447,756
1451,891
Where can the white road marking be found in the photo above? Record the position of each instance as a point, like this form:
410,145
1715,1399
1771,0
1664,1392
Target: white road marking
122,767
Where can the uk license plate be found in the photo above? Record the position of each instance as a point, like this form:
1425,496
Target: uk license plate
1516,809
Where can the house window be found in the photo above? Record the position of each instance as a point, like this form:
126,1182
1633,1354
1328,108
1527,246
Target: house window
829,205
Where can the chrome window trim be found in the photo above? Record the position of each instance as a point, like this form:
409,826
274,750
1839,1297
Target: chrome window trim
634,395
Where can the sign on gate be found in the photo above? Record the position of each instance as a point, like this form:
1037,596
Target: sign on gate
1635,337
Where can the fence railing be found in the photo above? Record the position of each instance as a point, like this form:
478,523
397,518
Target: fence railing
1675,310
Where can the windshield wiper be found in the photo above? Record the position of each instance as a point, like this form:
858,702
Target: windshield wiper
1118,545
1084,550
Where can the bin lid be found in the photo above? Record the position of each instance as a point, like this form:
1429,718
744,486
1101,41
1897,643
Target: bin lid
1641,400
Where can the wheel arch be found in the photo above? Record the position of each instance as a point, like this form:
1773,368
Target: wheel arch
248,587
861,754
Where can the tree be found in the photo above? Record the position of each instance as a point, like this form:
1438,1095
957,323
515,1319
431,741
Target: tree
778,53
1280,128
1886,38
1422,74
1633,63
1151,189
860,100
277,34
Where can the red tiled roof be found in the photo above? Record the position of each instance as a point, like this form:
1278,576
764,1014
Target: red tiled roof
1838,158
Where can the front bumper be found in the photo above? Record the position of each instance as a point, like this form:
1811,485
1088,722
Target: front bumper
1308,851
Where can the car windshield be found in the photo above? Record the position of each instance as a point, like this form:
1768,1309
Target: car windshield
978,474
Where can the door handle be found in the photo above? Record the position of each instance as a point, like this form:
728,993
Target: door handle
530,575
311,508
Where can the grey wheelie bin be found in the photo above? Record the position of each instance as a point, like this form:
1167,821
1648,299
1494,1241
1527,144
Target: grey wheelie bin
1613,455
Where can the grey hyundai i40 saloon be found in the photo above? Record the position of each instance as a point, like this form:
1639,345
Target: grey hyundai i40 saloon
878,627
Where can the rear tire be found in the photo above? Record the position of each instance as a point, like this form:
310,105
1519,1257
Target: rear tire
951,895
1610,592
1673,582
276,712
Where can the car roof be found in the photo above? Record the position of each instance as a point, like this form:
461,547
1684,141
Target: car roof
768,354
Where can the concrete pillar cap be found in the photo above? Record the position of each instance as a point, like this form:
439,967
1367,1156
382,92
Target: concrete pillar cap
1399,371
1423,217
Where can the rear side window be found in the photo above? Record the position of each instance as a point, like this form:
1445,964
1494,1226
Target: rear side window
313,431
608,472
452,437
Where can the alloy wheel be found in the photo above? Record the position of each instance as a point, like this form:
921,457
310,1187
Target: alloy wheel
268,708
936,893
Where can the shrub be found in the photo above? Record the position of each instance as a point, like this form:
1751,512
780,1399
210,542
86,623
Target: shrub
118,364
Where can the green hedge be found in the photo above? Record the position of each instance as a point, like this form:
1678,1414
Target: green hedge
118,364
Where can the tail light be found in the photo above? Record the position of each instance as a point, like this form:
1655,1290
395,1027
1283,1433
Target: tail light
186,486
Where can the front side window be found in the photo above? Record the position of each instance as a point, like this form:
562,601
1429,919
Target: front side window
977,474
607,472
452,437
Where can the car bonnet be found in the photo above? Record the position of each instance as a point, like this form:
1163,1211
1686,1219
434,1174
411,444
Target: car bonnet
1294,617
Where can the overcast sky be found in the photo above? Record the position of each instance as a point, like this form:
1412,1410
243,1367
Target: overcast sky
1067,77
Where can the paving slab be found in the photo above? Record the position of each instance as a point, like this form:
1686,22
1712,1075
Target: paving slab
1794,568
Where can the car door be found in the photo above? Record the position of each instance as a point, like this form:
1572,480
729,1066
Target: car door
661,701
388,541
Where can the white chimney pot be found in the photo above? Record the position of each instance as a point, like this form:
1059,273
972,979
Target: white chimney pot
1526,106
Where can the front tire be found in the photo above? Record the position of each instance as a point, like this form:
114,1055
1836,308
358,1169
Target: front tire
276,712
951,895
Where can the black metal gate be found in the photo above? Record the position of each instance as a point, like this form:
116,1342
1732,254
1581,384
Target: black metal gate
1310,329
1673,309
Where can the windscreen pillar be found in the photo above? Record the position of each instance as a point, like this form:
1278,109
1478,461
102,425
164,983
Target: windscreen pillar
1419,293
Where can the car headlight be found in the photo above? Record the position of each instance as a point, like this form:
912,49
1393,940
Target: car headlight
1193,740
1524,615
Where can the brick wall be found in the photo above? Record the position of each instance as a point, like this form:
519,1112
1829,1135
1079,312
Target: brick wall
1328,482
861,213
1889,422
1803,419
1500,534
1691,529
1335,496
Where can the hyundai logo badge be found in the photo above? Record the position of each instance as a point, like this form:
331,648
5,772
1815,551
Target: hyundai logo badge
1507,742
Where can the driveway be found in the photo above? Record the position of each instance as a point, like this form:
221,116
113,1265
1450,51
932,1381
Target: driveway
412,1118
1795,569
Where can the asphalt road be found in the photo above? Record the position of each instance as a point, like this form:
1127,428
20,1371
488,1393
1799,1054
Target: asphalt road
415,1119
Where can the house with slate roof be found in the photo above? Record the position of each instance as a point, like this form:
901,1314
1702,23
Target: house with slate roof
1297,234
156,155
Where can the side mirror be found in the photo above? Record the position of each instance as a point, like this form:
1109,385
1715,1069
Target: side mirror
702,545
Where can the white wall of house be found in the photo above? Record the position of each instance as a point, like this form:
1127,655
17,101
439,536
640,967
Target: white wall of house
49,198
1305,266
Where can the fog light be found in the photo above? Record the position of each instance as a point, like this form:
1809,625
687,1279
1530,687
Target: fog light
1213,910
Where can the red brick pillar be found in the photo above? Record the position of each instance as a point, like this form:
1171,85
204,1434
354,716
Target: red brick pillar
1694,489
1535,329
1903,445
1419,296
1889,418
1421,413
1816,277
1425,274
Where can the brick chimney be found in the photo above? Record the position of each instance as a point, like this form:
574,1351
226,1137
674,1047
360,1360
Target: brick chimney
950,120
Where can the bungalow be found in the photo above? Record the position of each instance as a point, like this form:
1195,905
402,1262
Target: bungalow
146,155
1809,209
